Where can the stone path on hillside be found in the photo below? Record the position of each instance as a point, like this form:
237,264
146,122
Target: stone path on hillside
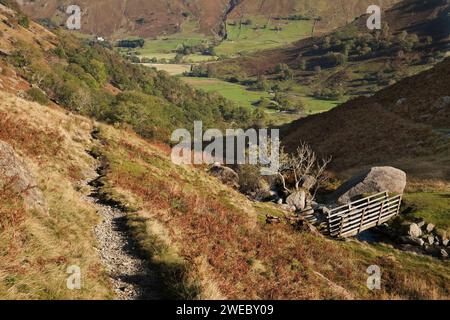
131,275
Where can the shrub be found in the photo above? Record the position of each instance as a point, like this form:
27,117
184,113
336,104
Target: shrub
249,179
138,43
37,95
23,21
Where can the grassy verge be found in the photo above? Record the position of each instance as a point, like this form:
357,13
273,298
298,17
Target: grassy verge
172,268
433,207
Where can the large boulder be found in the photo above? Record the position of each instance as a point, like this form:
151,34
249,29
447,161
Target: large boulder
227,175
14,174
374,180
297,199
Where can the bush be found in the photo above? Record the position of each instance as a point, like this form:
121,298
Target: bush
37,95
138,43
249,179
23,21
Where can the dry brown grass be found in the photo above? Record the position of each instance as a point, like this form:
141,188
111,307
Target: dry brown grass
230,254
36,249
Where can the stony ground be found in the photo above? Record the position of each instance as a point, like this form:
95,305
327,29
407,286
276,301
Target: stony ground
131,276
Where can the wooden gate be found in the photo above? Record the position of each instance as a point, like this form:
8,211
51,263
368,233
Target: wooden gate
353,218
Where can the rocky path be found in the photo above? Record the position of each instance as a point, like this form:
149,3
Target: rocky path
131,276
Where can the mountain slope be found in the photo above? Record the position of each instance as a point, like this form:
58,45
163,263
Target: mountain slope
400,125
93,80
353,60
333,14
204,239
158,18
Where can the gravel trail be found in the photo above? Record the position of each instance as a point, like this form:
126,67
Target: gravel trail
131,275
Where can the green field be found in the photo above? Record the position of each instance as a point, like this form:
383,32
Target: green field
244,97
241,96
245,39
314,105
197,58
172,69
431,206
254,37
165,47
234,92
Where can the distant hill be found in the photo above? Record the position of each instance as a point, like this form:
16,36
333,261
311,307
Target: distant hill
151,18
353,60
406,125
332,14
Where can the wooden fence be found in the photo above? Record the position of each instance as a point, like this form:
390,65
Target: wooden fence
353,218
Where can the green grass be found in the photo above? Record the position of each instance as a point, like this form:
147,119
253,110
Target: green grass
240,95
195,58
164,47
172,69
315,106
249,39
434,207
157,55
245,40
246,98
234,92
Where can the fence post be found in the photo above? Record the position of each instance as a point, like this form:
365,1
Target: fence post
381,212
362,220
342,226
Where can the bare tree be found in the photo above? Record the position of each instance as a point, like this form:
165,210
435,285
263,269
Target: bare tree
301,164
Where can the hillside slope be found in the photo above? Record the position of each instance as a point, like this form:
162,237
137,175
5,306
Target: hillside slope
158,18
88,78
333,14
202,238
403,125
353,60
205,239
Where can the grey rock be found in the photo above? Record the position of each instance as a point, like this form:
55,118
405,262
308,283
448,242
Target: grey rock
227,175
313,204
431,249
13,171
411,248
421,223
437,241
430,227
400,101
374,180
412,229
412,240
430,240
288,208
307,212
444,253
297,199
445,242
